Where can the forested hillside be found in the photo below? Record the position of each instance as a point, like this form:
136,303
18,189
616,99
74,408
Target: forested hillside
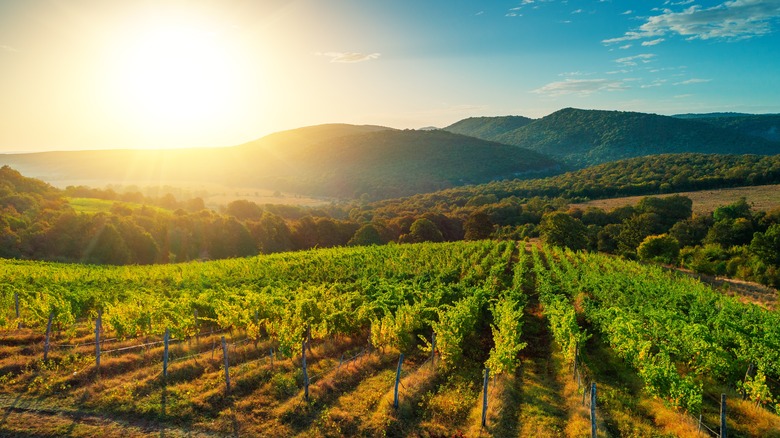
583,138
766,126
636,176
488,128
337,161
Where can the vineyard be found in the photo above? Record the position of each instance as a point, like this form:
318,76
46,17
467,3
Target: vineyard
457,339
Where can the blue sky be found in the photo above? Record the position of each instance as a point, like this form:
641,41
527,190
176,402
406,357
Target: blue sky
89,74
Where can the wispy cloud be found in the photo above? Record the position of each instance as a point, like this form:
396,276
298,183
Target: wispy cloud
628,12
653,42
576,11
624,47
636,59
693,81
349,57
655,83
6,48
731,20
582,87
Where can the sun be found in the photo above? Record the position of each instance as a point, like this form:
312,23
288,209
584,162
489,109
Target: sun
178,75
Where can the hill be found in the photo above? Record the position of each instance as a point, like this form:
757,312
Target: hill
327,160
488,128
766,126
587,137
650,175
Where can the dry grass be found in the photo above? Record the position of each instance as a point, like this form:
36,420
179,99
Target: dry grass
762,198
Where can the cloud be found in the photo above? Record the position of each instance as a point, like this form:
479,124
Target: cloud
693,81
653,42
628,12
733,20
636,59
655,83
349,57
627,46
582,87
8,48
577,11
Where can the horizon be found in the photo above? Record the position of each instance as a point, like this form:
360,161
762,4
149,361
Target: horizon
166,75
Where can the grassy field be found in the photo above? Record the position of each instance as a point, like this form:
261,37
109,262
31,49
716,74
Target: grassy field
762,198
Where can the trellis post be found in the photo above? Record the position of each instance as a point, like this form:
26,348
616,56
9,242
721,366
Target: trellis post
97,337
397,381
305,372
723,416
48,336
166,338
16,307
593,410
485,397
227,366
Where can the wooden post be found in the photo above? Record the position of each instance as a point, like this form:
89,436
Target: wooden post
341,361
197,329
166,338
584,392
485,397
723,416
433,350
747,374
308,337
397,381
271,355
97,338
213,343
593,410
699,430
48,336
16,306
576,351
305,372
227,366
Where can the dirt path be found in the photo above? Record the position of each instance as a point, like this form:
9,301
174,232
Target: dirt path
28,417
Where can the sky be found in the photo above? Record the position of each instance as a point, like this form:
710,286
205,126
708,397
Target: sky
94,74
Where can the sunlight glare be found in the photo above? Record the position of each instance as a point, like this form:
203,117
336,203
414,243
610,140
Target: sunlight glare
179,75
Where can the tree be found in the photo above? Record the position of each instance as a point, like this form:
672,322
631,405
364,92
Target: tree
767,245
670,209
478,226
366,235
663,248
739,209
422,230
271,234
244,210
691,232
558,228
634,230
108,248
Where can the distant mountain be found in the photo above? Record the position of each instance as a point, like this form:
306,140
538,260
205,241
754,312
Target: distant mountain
708,115
326,160
488,128
586,137
766,126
